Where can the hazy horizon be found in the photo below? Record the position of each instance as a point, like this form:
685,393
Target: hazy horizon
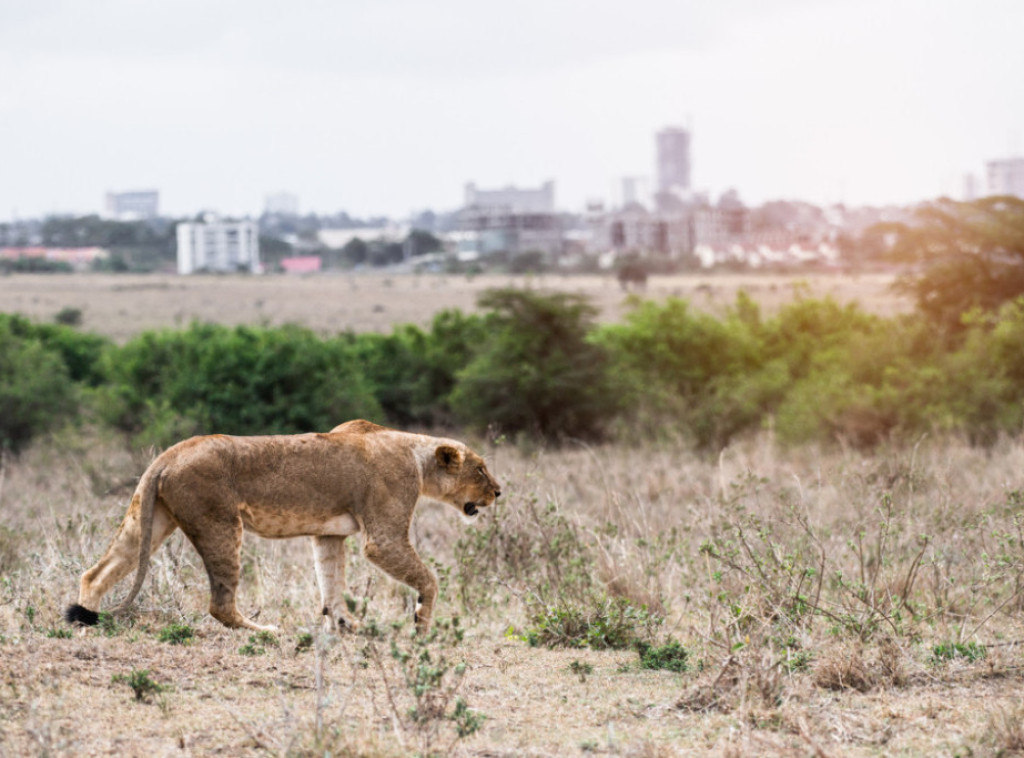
390,108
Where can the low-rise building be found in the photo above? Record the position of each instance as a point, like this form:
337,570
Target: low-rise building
218,246
510,222
1006,177
132,206
78,258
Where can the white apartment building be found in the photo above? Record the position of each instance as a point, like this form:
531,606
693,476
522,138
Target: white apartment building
218,246
1006,177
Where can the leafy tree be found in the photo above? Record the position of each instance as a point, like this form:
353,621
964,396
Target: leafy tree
535,370
355,252
422,242
972,256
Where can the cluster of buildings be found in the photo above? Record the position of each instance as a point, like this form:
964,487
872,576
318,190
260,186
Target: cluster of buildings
74,258
674,226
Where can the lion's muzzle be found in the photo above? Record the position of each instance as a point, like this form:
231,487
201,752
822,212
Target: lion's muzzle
470,509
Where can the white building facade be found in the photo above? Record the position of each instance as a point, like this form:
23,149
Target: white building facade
1006,177
218,246
132,206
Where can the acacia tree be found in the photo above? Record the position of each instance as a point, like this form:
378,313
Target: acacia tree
970,255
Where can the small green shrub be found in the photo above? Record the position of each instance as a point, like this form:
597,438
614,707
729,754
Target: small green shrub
176,634
581,669
258,643
423,683
69,316
60,634
142,684
265,638
604,624
671,656
467,721
949,651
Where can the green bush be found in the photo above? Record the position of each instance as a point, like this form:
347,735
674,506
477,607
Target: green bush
671,656
602,623
80,352
36,393
412,372
241,380
177,634
674,365
536,371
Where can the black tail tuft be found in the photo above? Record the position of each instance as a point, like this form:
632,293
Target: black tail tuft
76,614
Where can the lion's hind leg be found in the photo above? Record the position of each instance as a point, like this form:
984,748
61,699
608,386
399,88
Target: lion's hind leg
121,558
219,544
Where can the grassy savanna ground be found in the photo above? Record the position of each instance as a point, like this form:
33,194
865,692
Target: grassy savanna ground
916,651
830,601
120,306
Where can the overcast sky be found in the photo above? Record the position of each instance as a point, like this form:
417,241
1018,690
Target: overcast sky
391,106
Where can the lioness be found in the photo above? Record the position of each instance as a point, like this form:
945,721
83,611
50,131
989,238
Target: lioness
360,477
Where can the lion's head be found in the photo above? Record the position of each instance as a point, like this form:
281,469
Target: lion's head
471,486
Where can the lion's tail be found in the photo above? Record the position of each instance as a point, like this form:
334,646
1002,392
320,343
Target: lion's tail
147,503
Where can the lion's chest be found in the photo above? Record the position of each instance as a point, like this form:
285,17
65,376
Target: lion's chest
280,523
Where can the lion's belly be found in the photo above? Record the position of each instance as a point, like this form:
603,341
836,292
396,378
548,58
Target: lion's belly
280,524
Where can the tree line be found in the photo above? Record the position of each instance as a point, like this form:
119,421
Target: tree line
538,365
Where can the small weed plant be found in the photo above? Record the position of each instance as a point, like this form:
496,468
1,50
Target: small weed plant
142,684
422,683
258,643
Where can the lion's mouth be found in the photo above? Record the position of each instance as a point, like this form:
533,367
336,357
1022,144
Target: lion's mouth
470,509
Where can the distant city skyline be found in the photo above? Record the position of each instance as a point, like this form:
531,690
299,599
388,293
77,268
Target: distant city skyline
391,108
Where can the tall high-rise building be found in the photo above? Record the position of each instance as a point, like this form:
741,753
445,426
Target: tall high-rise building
1006,177
673,144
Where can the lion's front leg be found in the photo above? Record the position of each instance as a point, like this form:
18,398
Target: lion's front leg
398,559
329,557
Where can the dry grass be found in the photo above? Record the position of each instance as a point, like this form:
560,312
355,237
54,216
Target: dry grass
910,548
123,305
764,679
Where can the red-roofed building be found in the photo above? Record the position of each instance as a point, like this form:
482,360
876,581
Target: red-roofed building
302,264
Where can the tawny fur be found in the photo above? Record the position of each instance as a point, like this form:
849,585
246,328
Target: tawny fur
359,478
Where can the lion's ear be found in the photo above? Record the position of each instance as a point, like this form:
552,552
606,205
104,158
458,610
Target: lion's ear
448,458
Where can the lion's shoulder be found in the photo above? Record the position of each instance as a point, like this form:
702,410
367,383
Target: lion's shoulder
359,426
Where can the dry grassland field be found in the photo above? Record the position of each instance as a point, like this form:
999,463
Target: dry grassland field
123,305
811,601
